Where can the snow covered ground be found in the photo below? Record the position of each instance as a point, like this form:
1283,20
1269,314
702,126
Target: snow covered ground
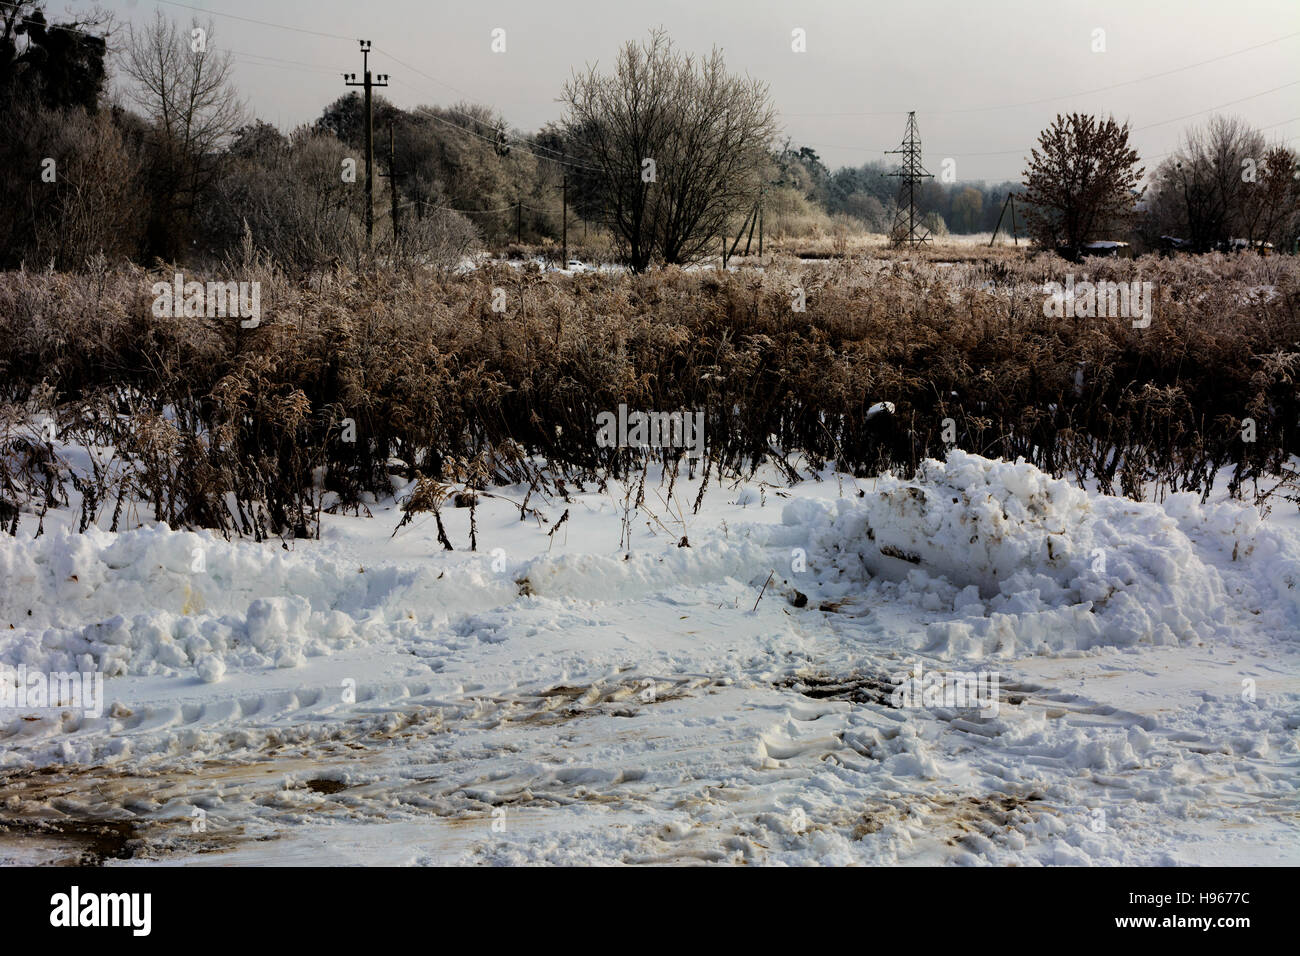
558,697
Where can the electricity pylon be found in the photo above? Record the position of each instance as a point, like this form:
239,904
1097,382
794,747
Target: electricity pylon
905,231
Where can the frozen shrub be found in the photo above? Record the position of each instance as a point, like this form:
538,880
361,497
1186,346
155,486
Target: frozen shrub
256,430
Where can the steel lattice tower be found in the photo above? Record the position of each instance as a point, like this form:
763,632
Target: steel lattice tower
911,172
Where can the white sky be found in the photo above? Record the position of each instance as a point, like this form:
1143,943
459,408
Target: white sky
883,57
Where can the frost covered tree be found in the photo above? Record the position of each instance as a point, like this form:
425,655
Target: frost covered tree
1226,182
1082,179
671,147
185,89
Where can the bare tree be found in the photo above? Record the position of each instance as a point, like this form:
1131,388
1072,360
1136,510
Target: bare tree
1203,185
184,87
672,147
1082,179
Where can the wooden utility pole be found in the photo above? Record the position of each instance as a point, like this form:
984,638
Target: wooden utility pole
1009,201
519,219
350,79
762,197
564,229
748,223
1002,212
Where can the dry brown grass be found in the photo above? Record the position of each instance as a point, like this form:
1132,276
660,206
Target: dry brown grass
199,408
859,245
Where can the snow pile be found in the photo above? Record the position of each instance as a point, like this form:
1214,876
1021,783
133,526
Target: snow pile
1029,563
1269,555
157,601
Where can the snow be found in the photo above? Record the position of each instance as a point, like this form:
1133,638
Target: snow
1034,563
566,697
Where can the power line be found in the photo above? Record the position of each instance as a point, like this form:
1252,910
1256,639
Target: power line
314,67
1021,152
1066,96
52,26
288,64
273,66
1260,129
561,158
263,23
979,109
414,69
427,112
301,65
240,56
1219,107
522,144
431,205
525,146
529,148
1006,152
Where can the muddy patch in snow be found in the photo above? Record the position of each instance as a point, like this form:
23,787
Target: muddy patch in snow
854,687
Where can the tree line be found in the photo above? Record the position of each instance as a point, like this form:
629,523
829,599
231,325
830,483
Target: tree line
661,155
1225,188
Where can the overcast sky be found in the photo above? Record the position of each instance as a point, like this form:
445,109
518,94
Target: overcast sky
983,75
